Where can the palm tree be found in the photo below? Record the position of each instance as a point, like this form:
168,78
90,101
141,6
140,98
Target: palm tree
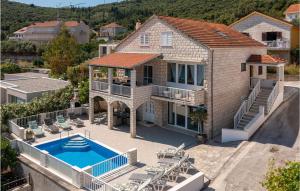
199,116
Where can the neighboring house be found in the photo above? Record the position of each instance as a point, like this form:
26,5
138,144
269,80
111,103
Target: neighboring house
111,30
280,36
170,67
23,87
44,32
292,12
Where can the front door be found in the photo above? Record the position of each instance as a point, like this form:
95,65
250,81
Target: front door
149,111
148,74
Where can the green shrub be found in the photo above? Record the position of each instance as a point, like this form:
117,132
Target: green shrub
76,74
8,155
292,69
83,91
38,62
9,68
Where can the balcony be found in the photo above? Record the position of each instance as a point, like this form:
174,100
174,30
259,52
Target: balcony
120,90
184,96
282,44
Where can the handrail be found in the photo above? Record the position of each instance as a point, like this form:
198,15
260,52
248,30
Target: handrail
173,93
273,95
96,184
246,105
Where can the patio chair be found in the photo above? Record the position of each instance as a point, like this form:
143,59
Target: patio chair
37,130
134,186
172,152
184,163
75,121
49,126
62,123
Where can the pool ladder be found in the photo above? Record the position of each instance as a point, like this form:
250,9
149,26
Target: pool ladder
63,131
87,132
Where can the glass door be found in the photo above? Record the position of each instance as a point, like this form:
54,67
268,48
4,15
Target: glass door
148,74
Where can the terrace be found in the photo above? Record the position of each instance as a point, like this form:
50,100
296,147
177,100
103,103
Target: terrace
150,139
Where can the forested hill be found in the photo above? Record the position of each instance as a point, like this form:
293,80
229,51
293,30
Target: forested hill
16,15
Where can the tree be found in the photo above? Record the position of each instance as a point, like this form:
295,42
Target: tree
9,68
286,178
199,116
8,155
83,91
61,53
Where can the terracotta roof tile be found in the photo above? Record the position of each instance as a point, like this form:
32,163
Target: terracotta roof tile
112,25
71,23
294,8
265,59
45,24
210,34
123,60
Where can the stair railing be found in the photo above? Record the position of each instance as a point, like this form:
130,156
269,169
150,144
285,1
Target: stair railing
246,105
273,95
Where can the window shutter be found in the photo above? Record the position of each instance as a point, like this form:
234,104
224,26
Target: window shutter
264,36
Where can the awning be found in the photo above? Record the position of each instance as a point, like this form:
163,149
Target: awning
265,60
123,60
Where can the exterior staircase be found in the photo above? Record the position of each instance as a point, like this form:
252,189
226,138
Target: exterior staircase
76,144
261,100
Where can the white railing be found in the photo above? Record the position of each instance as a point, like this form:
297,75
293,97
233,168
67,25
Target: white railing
278,44
95,184
29,150
16,129
108,165
273,95
245,106
100,86
121,90
59,166
173,93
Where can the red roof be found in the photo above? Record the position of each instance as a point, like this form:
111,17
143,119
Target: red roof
294,8
265,59
112,25
45,24
123,60
211,34
71,23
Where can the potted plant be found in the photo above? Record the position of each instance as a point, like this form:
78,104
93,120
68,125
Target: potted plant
198,116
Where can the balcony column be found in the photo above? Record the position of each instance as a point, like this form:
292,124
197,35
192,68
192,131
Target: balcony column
110,79
132,122
91,74
91,110
110,117
132,80
280,73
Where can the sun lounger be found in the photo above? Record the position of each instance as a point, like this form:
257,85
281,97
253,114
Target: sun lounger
134,186
49,126
75,121
37,130
62,123
172,152
184,163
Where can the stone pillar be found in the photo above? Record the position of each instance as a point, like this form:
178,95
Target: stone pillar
22,133
44,158
91,74
77,178
110,117
132,156
91,110
281,73
132,81
110,79
132,122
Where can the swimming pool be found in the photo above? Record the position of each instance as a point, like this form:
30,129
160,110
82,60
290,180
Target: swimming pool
82,152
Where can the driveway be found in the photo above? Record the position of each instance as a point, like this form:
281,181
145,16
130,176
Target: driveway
278,139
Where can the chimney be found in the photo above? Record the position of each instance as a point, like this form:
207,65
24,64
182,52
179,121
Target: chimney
138,25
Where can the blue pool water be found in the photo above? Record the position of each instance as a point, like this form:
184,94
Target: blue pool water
81,152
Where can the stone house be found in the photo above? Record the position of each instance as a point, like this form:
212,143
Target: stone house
292,12
280,36
111,30
43,32
171,67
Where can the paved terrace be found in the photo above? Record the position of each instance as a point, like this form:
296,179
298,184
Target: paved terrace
208,158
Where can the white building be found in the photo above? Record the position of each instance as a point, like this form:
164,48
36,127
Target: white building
292,12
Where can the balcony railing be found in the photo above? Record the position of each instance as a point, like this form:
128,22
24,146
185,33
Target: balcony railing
100,86
277,44
173,93
121,90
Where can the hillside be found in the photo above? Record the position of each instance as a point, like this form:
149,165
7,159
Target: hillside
16,15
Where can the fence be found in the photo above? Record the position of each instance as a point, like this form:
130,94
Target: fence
100,86
95,184
29,150
108,165
173,93
121,90
273,95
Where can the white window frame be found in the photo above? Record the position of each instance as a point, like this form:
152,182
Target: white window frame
166,39
144,39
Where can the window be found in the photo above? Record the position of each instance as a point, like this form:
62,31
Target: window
243,67
166,39
181,73
200,75
260,70
144,39
147,75
271,36
190,74
171,72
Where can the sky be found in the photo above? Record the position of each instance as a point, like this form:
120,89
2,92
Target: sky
62,3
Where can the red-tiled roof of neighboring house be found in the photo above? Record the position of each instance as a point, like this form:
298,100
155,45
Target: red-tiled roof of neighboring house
265,59
294,8
22,30
123,60
212,35
71,23
45,24
112,25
